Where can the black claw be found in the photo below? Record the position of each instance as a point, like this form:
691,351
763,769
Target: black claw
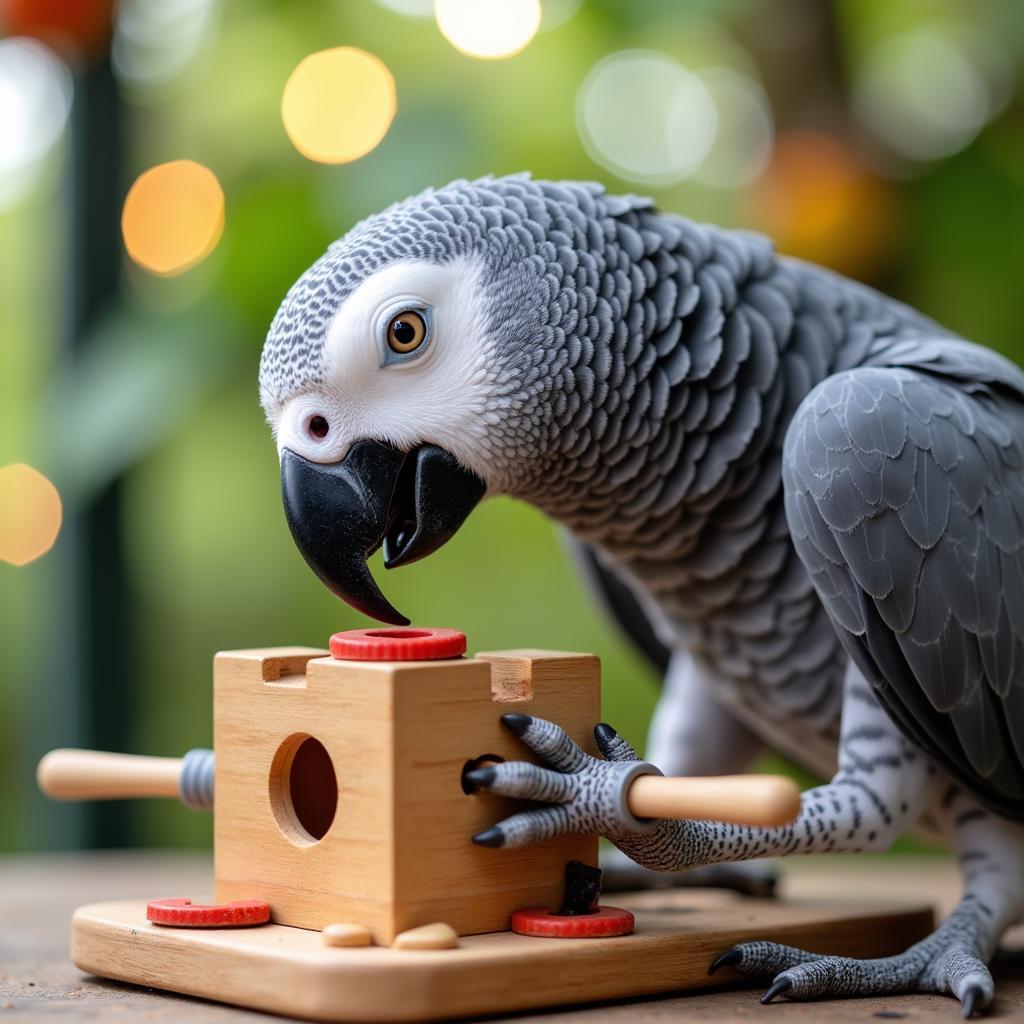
492,836
776,988
478,778
517,723
604,734
972,997
730,958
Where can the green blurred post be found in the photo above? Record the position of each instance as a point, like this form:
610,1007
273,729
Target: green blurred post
98,607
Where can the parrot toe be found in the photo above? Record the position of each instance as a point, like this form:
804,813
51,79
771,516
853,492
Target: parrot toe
972,999
490,837
730,958
938,964
777,988
517,723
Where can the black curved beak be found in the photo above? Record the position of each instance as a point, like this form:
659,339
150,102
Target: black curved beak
340,513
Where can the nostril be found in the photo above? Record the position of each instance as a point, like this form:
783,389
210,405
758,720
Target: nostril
318,427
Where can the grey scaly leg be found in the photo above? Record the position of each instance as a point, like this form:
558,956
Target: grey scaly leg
693,733
883,785
953,960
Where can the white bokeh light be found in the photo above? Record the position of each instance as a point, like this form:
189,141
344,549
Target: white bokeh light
410,8
489,29
35,100
743,143
645,117
927,93
557,12
154,40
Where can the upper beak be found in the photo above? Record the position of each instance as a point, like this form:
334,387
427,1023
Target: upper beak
340,513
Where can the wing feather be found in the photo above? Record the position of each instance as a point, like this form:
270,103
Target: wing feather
905,500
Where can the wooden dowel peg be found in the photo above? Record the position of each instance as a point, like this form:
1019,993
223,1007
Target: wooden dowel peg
758,800
68,774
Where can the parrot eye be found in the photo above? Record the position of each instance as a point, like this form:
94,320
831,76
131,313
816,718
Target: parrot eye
406,331
318,427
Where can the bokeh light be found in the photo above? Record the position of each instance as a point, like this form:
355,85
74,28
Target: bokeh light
645,117
76,29
35,99
819,202
556,13
743,141
489,29
30,514
338,104
928,92
410,8
173,217
154,40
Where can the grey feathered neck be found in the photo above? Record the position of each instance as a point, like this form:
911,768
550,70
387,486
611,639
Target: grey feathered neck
642,365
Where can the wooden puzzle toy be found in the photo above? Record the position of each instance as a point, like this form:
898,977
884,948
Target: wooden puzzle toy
343,816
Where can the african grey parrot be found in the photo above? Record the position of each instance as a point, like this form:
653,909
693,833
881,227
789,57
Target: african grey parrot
810,495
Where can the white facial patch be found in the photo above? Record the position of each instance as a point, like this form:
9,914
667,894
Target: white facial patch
438,398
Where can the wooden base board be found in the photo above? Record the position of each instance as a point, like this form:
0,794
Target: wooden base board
289,971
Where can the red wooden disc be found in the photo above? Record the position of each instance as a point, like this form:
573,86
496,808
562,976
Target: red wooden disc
398,643
186,914
605,922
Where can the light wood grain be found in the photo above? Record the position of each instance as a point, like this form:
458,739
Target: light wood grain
40,985
67,774
758,800
288,970
398,853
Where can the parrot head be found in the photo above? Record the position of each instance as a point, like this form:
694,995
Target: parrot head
423,361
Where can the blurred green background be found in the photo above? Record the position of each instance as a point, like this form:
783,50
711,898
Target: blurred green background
882,137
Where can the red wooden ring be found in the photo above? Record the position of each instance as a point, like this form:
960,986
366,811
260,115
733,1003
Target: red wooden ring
605,922
186,914
398,643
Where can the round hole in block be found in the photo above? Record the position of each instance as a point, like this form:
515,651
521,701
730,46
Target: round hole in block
303,789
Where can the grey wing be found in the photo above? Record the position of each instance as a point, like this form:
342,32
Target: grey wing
619,602
904,490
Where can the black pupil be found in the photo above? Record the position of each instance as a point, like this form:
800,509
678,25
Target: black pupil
404,332
318,426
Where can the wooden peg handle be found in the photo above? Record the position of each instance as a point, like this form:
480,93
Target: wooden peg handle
758,800
68,774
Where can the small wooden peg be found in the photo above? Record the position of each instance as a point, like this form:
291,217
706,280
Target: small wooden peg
428,936
345,933
759,800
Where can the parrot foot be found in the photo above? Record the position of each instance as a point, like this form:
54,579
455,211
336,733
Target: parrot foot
748,878
946,962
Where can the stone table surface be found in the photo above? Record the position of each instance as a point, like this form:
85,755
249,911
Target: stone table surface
38,983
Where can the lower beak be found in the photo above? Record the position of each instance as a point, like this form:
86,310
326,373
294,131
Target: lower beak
341,513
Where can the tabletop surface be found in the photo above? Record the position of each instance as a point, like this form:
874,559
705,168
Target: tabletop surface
38,983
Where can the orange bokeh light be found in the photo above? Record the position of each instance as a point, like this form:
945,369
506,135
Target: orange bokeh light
338,104
30,514
76,28
173,217
819,202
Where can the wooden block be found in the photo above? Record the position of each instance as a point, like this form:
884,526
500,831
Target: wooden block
288,971
428,936
297,734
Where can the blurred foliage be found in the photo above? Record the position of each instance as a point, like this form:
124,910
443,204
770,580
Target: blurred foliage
165,393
